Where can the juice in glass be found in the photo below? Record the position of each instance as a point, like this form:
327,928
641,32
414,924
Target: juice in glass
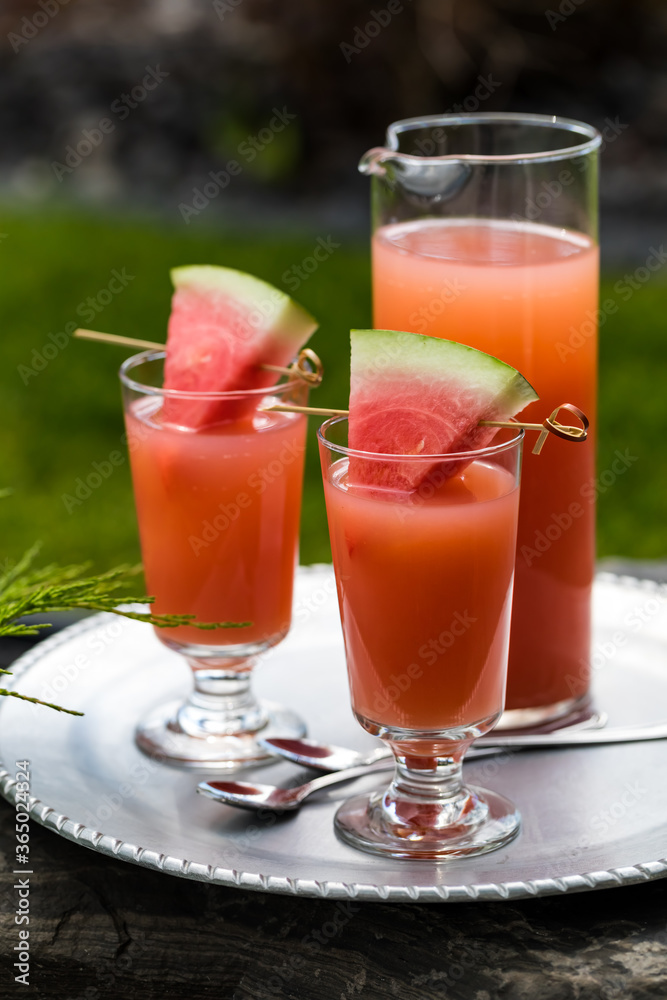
218,512
526,293
425,592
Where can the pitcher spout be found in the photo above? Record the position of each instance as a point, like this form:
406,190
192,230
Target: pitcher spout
436,177
373,162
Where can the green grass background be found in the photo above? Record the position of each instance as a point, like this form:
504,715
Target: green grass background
69,415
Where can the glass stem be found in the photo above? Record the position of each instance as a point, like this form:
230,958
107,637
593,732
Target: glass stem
428,793
222,702
430,778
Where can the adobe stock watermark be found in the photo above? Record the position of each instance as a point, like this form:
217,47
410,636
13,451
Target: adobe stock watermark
108,970
131,788
31,26
605,650
95,642
22,862
562,521
624,288
295,275
604,820
258,482
407,505
565,9
84,487
430,312
467,958
303,610
224,7
235,848
430,652
121,108
314,941
265,310
486,86
392,347
249,149
87,310
551,191
313,602
364,34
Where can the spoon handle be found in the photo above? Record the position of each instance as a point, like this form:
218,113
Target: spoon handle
625,735
336,777
385,763
622,734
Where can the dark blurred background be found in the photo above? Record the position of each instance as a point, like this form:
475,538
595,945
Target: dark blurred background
116,118
343,69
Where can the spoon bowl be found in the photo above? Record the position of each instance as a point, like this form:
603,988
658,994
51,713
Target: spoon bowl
323,756
255,797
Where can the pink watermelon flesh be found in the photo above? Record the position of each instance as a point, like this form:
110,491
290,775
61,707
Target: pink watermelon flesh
416,395
223,327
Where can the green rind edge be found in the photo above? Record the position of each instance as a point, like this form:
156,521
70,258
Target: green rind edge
377,351
284,317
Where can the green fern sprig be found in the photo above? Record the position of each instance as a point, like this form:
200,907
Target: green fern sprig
29,590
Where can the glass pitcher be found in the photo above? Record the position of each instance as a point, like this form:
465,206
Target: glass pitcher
485,232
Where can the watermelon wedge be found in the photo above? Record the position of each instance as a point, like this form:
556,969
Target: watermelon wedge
224,326
416,395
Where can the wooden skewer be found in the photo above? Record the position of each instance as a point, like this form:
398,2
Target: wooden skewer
113,338
314,377
308,367
513,423
315,411
550,425
324,411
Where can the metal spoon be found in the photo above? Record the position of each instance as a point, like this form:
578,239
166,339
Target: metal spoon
329,757
255,797
323,756
247,796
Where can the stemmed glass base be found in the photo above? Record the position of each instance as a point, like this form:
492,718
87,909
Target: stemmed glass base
217,728
161,735
488,821
427,811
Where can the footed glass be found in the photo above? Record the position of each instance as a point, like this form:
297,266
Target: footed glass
425,591
218,512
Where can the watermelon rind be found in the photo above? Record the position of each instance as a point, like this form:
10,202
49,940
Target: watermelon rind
373,352
415,395
275,309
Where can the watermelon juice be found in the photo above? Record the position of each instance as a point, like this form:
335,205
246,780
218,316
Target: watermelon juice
425,589
218,511
528,294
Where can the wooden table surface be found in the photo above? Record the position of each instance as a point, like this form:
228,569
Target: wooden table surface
101,928
105,929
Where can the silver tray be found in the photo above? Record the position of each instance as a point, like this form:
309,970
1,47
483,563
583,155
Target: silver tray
593,817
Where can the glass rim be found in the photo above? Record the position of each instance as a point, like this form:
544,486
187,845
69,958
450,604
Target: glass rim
153,390
492,449
592,137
